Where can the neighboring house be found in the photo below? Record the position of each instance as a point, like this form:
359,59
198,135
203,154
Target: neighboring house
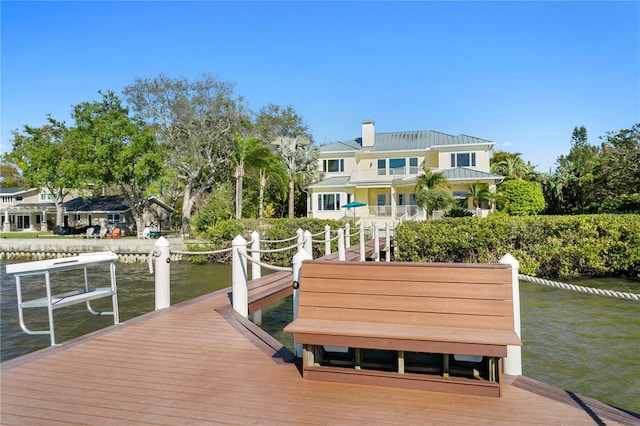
32,210
380,170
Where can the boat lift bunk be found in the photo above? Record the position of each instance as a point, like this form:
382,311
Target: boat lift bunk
57,301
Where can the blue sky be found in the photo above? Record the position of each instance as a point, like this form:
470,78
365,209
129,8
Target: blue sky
521,74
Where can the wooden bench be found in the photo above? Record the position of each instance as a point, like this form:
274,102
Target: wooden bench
441,327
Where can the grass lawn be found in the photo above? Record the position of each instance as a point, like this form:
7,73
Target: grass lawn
28,235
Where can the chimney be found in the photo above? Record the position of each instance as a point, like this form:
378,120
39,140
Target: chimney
368,133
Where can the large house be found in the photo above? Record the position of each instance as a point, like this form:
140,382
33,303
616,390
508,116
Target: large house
380,170
32,209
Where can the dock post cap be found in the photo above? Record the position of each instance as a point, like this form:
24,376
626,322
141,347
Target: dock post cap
162,242
509,260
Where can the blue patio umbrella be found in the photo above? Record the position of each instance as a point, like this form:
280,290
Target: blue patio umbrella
353,205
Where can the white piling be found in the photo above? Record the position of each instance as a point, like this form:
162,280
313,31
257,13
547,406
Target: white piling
347,235
387,242
240,295
376,242
341,251
300,236
513,362
299,257
362,246
327,240
256,271
163,273
308,243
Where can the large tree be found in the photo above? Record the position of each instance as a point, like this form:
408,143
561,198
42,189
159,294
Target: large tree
9,172
619,170
197,121
299,158
123,151
49,159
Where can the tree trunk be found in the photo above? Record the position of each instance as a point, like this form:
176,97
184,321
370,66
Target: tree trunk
239,182
291,200
263,184
187,204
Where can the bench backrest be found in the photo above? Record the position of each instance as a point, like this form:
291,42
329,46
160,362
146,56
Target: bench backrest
434,294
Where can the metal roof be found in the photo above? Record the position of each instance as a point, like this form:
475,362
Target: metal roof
405,141
466,173
332,181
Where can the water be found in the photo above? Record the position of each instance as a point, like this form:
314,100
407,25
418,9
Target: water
583,343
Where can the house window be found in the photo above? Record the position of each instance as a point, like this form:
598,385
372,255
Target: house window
328,202
463,159
333,166
23,222
76,218
461,198
413,166
44,197
18,198
382,167
113,219
382,199
397,166
7,199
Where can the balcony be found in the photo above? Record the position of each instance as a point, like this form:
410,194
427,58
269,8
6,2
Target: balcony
383,175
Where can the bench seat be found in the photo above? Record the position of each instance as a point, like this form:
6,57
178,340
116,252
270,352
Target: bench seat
407,337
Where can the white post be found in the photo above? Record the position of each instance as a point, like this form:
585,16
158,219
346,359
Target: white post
256,271
341,252
347,234
299,257
387,242
513,362
240,296
362,246
308,244
327,240
163,273
300,236
376,242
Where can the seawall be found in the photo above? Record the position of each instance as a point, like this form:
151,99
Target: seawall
128,250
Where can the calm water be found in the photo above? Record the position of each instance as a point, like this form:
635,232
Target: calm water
586,344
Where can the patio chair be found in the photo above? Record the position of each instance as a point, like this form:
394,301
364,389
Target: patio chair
115,234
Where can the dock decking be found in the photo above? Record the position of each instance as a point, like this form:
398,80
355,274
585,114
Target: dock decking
199,362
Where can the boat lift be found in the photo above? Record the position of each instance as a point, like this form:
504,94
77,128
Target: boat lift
52,302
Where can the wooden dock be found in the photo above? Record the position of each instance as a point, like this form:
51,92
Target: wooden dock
199,362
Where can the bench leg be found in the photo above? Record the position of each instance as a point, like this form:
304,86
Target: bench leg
401,362
445,365
358,360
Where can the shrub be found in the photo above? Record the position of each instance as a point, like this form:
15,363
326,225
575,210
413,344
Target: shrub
521,197
549,246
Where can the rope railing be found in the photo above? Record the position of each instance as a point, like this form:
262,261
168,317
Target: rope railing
581,289
265,265
278,250
278,241
319,233
324,241
201,252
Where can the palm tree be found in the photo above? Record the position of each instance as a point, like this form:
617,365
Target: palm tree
431,180
273,170
436,199
478,192
299,157
249,152
513,167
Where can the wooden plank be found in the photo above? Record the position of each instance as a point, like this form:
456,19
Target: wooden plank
418,288
456,385
405,302
412,318
351,329
441,272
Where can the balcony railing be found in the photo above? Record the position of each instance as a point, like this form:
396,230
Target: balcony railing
383,174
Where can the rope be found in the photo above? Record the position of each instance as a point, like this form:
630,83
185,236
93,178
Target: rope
266,265
202,252
319,233
279,241
324,241
581,289
277,250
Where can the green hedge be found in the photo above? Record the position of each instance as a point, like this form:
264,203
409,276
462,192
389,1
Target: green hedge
220,237
546,246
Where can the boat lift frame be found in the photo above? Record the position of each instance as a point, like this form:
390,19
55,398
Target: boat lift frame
52,302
